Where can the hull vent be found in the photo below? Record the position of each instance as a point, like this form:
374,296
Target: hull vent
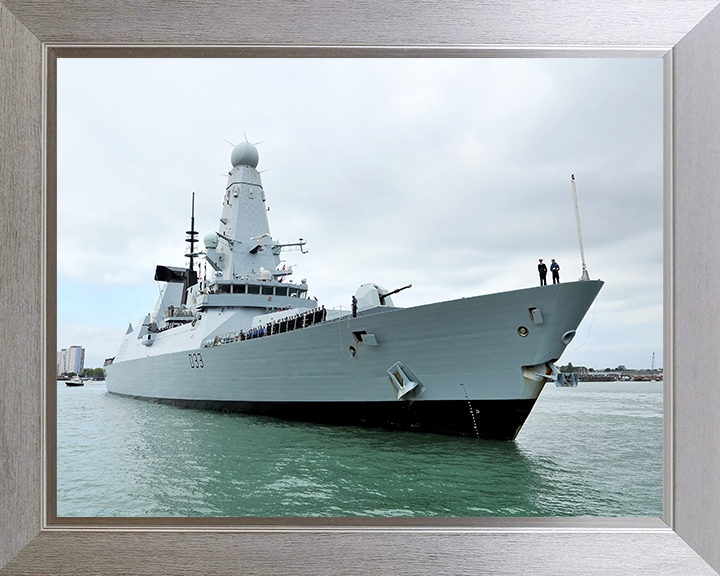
404,382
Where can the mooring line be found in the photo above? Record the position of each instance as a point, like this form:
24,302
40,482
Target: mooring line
589,329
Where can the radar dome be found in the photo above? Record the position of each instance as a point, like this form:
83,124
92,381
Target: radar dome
210,240
244,154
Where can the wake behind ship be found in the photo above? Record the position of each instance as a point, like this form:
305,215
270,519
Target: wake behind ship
241,336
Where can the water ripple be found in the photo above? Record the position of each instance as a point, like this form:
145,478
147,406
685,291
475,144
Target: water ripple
591,451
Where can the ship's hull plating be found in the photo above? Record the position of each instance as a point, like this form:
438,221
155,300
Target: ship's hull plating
474,368
487,419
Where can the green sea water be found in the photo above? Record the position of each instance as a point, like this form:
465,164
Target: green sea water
594,450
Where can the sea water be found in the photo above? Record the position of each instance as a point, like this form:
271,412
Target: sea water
594,450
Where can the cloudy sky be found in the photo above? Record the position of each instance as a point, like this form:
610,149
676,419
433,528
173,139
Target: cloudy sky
452,175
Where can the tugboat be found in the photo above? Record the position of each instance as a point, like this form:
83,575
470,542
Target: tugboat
244,338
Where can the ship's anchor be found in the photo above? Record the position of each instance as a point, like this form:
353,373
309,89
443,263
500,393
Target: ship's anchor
550,374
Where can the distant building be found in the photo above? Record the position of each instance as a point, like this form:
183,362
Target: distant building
61,360
71,360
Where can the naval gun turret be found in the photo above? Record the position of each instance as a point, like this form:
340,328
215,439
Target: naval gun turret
372,295
384,296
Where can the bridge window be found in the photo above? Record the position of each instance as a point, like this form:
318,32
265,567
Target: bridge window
253,289
281,290
267,290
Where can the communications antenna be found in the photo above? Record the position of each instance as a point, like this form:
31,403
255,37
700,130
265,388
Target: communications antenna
585,275
190,274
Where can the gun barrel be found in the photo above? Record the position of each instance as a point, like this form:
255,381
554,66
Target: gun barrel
383,296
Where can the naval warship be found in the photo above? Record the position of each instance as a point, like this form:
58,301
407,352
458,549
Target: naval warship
242,336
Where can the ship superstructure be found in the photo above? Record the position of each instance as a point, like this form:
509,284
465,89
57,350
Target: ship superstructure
240,335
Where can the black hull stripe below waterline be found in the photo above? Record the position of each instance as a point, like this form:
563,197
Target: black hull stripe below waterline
485,419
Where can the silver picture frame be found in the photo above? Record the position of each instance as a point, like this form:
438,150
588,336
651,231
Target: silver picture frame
685,33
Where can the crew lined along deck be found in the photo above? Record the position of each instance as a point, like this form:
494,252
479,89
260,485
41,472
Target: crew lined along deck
287,324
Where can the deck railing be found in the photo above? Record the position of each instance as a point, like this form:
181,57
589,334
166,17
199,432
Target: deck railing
287,324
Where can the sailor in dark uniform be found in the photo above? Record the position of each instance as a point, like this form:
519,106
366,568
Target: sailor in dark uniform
354,306
542,269
555,269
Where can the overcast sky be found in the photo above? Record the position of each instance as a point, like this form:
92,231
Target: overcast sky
452,175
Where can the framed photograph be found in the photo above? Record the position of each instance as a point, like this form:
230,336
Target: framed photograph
34,541
425,188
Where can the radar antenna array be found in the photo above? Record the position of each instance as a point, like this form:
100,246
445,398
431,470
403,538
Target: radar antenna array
248,141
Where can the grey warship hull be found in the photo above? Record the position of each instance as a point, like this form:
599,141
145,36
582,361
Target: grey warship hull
236,334
468,367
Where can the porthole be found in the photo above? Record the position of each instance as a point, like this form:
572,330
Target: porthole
522,331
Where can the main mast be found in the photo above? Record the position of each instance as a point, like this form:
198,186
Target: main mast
190,274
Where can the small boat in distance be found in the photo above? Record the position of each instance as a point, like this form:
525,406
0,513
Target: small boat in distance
74,381
240,336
